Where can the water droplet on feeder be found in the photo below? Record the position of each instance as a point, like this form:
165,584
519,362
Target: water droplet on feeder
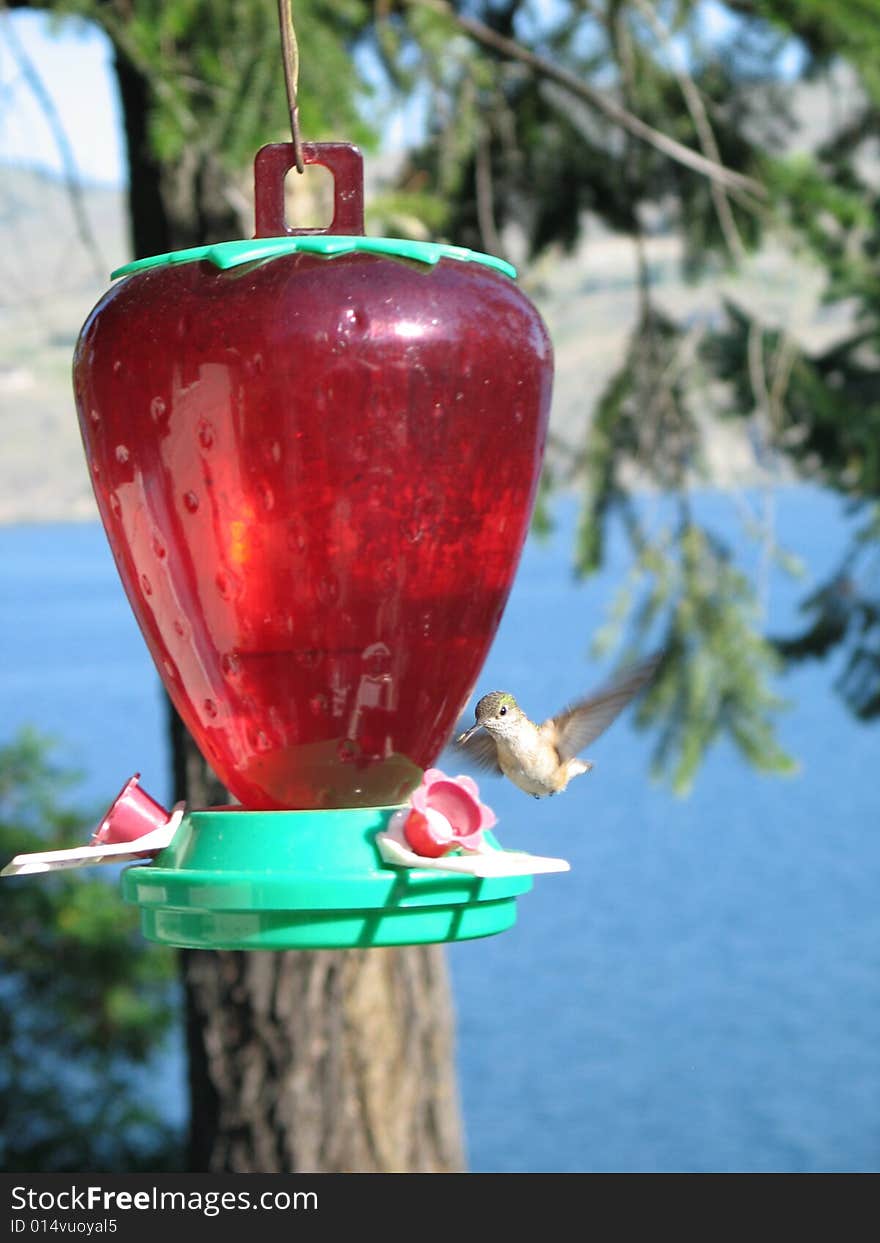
296,538
386,573
206,434
318,704
230,663
95,417
122,454
328,589
147,585
158,410
413,530
191,501
210,708
267,496
115,506
159,548
347,750
354,321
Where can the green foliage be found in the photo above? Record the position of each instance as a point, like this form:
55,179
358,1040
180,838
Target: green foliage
826,205
830,212
829,29
686,595
549,156
844,613
831,404
642,420
542,518
215,70
86,1002
406,213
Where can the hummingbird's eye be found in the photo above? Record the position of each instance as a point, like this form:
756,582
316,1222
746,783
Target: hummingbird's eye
502,711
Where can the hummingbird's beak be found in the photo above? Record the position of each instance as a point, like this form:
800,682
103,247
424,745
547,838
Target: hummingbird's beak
468,733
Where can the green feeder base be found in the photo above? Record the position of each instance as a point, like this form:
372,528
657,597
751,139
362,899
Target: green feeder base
275,880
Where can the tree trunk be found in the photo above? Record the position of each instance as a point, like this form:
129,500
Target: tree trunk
324,1061
298,1061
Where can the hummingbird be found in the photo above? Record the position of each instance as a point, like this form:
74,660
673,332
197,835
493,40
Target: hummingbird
543,759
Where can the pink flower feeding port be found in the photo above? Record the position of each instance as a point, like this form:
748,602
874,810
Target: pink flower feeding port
446,828
132,814
135,827
447,813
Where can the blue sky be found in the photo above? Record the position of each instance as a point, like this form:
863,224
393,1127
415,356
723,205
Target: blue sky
74,64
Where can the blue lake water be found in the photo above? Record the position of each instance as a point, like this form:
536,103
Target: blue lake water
700,993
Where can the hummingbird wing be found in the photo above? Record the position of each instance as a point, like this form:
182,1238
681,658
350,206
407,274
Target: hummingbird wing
582,722
481,751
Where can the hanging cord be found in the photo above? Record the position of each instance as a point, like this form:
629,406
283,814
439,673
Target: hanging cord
290,56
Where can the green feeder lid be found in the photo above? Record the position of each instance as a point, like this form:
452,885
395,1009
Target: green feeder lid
231,254
306,880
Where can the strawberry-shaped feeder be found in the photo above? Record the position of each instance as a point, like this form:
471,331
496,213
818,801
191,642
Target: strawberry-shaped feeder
315,456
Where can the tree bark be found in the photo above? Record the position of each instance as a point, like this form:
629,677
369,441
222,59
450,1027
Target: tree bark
319,1061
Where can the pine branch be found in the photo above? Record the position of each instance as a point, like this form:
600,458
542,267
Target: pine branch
705,134
512,50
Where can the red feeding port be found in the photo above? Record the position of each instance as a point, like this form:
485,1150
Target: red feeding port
316,475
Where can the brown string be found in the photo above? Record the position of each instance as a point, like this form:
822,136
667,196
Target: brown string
290,56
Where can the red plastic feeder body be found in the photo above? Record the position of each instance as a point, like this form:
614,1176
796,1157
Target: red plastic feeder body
316,475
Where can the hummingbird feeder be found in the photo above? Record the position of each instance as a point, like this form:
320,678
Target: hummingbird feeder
315,456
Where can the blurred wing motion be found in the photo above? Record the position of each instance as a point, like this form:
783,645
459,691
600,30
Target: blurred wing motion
481,751
582,722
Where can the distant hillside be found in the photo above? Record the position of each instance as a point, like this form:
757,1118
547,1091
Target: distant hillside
49,284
